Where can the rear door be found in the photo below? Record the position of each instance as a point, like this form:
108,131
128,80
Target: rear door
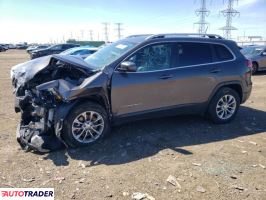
195,75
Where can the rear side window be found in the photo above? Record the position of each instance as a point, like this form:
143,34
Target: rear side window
192,53
222,53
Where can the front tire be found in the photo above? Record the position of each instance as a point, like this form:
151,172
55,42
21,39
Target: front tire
224,106
87,123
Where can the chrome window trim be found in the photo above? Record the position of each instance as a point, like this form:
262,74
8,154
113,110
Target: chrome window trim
182,67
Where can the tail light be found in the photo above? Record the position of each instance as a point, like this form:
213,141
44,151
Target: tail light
249,64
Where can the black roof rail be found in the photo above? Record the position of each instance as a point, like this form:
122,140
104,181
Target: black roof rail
169,35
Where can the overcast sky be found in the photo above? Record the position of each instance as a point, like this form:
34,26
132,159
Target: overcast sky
53,20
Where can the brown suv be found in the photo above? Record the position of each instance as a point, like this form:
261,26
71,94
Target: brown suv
70,101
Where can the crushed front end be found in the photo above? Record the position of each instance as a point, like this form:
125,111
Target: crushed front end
43,91
36,129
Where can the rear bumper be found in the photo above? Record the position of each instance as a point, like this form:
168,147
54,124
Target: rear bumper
246,94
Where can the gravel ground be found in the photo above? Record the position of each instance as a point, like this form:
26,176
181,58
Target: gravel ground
203,160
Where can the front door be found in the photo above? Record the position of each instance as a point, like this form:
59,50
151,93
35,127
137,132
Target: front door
148,87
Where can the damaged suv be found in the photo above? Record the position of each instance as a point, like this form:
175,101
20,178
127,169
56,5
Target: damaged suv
67,101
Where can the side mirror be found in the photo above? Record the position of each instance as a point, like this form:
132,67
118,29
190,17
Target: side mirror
127,66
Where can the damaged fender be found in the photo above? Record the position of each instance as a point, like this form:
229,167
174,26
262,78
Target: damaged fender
46,89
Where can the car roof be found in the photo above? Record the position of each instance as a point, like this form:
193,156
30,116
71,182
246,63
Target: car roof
212,38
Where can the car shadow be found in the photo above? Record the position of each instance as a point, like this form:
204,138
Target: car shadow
260,73
142,139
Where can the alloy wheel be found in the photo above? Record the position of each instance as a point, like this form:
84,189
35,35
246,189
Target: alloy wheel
87,127
226,107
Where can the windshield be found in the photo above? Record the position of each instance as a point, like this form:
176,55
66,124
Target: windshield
108,54
251,50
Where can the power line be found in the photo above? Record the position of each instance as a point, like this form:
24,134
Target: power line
118,29
91,35
229,13
202,12
105,31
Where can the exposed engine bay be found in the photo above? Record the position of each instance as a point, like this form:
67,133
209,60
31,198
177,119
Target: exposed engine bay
45,90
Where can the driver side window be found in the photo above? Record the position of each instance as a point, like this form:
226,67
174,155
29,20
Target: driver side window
152,58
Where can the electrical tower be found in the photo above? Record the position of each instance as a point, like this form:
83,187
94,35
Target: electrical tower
118,29
202,12
91,35
105,31
82,34
229,13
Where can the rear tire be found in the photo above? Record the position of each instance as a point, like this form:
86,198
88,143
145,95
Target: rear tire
224,106
86,124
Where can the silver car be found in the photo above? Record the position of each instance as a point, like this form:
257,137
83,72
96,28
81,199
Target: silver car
257,54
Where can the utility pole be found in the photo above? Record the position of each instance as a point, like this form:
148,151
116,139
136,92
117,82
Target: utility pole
105,31
118,29
71,35
82,34
229,13
91,35
202,13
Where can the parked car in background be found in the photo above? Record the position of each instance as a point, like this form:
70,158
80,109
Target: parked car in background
31,47
21,46
257,54
5,46
82,52
11,46
36,47
2,48
55,49
65,98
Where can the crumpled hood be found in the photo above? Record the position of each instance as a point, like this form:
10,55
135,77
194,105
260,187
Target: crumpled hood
24,72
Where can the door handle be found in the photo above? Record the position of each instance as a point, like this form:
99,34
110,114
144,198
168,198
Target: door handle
215,70
166,76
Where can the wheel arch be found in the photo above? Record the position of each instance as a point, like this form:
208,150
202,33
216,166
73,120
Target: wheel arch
235,85
96,98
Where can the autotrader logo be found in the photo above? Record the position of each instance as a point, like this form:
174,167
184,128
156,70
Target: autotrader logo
26,193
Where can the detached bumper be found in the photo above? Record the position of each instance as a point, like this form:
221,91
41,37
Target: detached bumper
36,131
30,139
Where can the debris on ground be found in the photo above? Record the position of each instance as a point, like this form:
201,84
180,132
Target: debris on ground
262,166
125,194
142,196
28,180
196,164
233,177
82,165
59,179
201,189
81,180
251,142
238,188
172,180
